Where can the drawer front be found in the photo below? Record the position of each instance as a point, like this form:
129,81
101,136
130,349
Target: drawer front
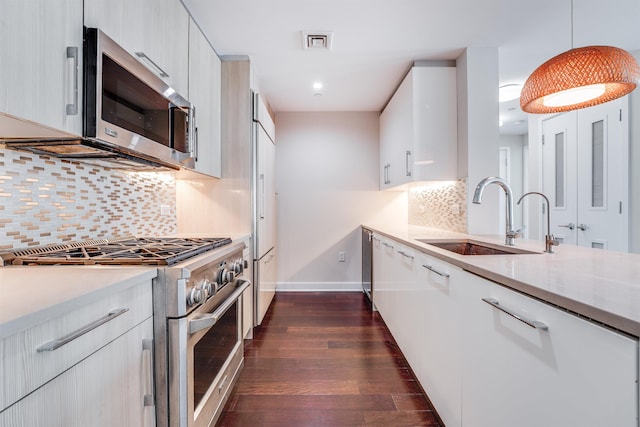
23,368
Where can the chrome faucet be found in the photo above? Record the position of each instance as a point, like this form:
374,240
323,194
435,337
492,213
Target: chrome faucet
511,234
549,240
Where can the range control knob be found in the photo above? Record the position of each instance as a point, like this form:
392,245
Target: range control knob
196,296
208,287
225,276
238,266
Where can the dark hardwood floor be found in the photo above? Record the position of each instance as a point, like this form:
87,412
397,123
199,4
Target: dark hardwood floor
324,359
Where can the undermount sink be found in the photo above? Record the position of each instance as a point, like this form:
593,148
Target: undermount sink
470,247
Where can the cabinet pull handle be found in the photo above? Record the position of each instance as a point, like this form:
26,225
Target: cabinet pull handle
439,273
262,195
387,245
147,345
404,254
72,53
407,162
375,238
533,323
57,343
159,70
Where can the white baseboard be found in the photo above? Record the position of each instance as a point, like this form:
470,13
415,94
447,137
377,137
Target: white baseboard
319,287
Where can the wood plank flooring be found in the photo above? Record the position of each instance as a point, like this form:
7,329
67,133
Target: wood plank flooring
325,359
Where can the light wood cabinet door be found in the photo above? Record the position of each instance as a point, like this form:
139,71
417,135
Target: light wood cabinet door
41,62
565,371
154,31
204,93
104,390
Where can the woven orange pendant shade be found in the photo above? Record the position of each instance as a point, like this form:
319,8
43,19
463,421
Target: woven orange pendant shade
614,69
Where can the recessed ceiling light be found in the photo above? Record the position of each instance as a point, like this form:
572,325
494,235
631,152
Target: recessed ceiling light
509,92
317,85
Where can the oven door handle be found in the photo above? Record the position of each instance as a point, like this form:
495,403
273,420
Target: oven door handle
205,321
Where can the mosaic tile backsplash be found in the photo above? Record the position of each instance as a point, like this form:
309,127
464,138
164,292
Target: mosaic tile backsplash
48,200
433,205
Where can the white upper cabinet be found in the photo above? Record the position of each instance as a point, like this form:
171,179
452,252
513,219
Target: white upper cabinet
154,31
418,129
204,93
41,64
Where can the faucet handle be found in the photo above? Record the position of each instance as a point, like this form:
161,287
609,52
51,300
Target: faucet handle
516,233
549,242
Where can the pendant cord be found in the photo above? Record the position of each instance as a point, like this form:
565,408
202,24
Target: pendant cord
571,24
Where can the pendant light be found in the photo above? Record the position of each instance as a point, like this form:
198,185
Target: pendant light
580,78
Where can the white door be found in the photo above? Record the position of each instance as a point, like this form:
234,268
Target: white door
585,175
559,175
603,171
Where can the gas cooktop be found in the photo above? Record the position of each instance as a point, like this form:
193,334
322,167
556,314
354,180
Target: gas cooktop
125,251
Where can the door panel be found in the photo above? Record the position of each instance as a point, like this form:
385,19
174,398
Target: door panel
559,165
585,175
603,173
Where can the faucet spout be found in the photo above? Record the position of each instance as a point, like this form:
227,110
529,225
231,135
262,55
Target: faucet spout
511,233
549,240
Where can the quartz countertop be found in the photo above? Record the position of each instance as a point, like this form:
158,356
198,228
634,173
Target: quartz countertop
601,285
32,295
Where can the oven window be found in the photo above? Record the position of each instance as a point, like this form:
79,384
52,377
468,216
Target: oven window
129,103
212,350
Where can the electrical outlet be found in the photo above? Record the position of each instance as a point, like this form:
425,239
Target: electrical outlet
341,256
165,210
455,209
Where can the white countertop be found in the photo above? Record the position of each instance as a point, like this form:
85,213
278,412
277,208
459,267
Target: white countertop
601,285
32,295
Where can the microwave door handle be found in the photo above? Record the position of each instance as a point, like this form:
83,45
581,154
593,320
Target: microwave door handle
206,321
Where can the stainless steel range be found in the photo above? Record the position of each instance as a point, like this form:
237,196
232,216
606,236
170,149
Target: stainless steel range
197,314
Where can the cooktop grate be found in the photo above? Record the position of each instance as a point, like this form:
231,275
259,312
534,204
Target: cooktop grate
127,251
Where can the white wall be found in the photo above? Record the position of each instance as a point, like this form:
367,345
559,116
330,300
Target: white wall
327,181
477,79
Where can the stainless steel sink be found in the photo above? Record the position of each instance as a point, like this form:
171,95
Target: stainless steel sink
471,247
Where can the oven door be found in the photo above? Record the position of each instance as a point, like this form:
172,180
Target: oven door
205,357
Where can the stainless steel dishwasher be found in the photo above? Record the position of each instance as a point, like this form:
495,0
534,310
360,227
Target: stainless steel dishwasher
367,265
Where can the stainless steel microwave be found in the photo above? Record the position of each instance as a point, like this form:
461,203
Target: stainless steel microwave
131,110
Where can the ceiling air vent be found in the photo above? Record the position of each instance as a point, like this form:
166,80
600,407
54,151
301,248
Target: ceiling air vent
317,39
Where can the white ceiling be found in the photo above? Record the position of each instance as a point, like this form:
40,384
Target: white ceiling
376,41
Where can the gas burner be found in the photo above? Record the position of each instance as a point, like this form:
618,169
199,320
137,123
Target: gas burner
126,251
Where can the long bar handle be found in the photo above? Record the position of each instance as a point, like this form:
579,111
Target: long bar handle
407,162
404,254
533,323
57,343
159,70
147,345
262,195
439,273
206,321
387,245
72,53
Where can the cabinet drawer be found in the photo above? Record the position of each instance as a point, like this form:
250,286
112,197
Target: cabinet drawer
23,368
525,355
106,389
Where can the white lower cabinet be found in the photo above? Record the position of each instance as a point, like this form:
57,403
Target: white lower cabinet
481,366
440,336
575,373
